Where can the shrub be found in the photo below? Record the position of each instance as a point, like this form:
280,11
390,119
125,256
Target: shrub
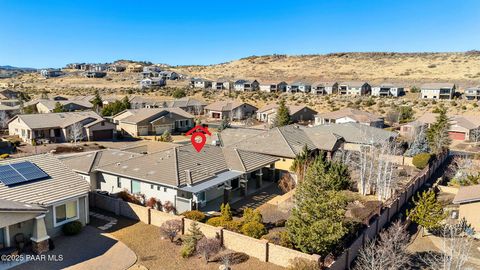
127,197
208,247
254,229
303,264
191,239
232,258
168,207
194,215
421,160
4,156
232,225
179,93
152,202
226,212
171,228
215,221
251,215
188,248
72,228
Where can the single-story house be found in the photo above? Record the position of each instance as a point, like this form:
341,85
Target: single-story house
139,102
152,69
325,88
152,82
99,68
9,94
356,88
299,113
472,93
51,73
222,84
246,85
47,106
272,87
298,86
468,201
61,127
38,195
388,90
200,83
437,90
349,115
153,121
188,104
190,179
233,110
412,129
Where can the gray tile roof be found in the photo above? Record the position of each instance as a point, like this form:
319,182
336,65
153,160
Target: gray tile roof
12,206
53,120
151,114
437,85
50,104
88,162
357,115
355,133
62,183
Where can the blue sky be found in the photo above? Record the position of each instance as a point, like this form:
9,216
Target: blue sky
53,33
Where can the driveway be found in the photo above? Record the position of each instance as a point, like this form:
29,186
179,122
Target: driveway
91,249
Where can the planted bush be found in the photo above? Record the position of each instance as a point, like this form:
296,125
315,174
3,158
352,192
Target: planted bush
254,229
421,160
195,215
72,228
215,221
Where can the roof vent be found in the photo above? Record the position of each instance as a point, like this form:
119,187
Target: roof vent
118,164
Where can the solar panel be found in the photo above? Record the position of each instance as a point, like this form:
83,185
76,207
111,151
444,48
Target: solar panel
20,172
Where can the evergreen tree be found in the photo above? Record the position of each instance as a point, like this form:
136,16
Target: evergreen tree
428,212
328,175
300,163
126,103
166,136
283,115
97,101
419,145
226,212
224,124
58,108
437,134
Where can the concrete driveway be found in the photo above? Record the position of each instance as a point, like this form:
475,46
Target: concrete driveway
91,249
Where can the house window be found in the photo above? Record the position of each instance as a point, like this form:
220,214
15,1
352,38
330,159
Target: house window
158,188
119,183
152,186
164,189
65,213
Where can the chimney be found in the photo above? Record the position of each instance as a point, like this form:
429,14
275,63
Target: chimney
188,176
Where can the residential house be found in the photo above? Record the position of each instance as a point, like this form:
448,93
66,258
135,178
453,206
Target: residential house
95,74
388,90
200,83
85,67
222,84
472,93
116,68
152,82
57,98
51,73
169,75
272,87
48,106
134,68
349,115
356,88
102,68
410,130
325,88
246,85
152,69
233,110
298,113
438,91
214,176
38,195
296,87
188,104
468,201
60,127
139,102
9,111
462,127
154,121
9,94
74,66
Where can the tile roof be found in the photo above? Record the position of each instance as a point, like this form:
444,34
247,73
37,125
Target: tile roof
89,161
437,85
355,132
13,206
357,115
150,114
355,84
467,194
62,183
466,121
291,108
225,105
53,120
50,104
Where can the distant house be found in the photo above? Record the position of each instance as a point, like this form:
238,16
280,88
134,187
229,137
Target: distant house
51,73
412,129
116,68
47,106
200,83
37,198
99,67
299,87
152,69
246,85
188,104
169,75
272,87
325,88
95,74
59,127
349,115
74,66
222,84
9,94
57,98
472,93
233,110
85,67
387,90
468,201
155,121
355,88
134,68
268,113
152,82
139,102
438,90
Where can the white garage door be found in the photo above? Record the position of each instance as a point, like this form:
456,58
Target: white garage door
160,129
142,131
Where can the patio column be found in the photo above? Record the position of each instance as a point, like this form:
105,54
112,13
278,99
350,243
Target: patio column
39,235
243,185
227,194
272,170
259,175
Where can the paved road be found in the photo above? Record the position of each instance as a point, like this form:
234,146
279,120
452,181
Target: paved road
91,249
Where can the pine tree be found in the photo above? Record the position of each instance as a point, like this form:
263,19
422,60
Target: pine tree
58,108
428,212
97,101
126,103
283,115
437,134
300,163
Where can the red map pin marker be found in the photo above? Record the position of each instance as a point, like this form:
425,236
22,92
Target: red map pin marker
198,140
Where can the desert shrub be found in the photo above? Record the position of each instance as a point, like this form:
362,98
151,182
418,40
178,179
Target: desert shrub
215,221
250,215
179,93
168,207
72,228
191,239
253,229
303,264
127,197
4,156
171,228
194,215
232,257
232,225
226,212
421,160
208,247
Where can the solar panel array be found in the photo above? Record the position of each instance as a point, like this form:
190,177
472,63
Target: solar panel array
20,172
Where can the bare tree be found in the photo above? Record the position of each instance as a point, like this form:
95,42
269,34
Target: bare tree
171,228
208,247
388,252
3,119
76,132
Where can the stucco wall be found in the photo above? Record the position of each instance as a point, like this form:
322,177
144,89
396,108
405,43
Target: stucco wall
241,243
470,212
284,164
